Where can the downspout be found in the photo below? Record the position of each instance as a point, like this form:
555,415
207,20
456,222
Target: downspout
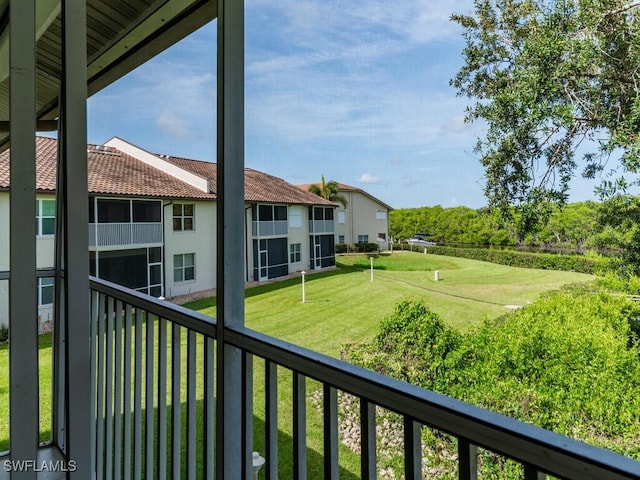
164,255
246,245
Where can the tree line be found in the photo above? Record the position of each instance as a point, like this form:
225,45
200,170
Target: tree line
609,226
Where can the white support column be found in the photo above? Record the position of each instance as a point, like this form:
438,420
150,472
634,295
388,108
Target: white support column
232,455
23,303
75,262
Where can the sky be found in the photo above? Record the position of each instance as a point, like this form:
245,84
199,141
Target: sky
356,91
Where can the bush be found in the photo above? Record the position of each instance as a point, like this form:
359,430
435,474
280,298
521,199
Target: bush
513,258
568,362
357,247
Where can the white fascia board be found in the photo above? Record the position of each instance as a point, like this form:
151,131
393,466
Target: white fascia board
161,164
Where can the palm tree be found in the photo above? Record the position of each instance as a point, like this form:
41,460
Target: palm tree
330,191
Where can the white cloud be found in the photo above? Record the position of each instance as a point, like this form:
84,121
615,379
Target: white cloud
171,124
368,178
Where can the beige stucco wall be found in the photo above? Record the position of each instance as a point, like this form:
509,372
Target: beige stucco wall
201,241
45,254
301,236
360,219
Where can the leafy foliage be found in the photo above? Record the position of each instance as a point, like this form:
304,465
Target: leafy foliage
568,362
552,79
330,191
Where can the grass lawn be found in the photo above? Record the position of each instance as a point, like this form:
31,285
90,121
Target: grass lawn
344,305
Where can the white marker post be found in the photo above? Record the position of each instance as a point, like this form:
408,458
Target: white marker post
371,260
303,299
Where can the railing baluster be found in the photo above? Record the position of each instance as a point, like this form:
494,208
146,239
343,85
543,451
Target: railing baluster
93,346
368,463
137,399
271,419
101,325
412,449
127,393
299,426
117,401
191,405
108,451
467,460
247,412
208,407
331,470
162,399
148,398
176,421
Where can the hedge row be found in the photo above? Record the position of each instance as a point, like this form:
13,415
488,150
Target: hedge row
357,247
546,261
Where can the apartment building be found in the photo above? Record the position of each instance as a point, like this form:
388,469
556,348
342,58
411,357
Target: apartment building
152,223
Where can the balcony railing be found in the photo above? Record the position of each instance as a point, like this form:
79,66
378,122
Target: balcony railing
122,234
321,226
270,229
142,368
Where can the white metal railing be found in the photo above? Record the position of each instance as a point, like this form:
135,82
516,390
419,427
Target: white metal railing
321,226
142,369
115,234
270,229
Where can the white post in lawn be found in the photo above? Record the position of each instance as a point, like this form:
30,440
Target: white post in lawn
303,286
371,260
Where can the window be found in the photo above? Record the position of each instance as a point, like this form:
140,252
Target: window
381,215
45,217
340,238
183,214
295,217
45,292
294,252
363,238
342,216
184,268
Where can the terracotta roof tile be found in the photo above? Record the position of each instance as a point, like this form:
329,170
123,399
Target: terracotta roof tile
343,187
112,172
258,186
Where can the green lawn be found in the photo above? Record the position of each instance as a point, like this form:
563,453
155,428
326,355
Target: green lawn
344,305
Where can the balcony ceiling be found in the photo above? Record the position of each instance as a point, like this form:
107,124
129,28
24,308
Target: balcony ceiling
121,35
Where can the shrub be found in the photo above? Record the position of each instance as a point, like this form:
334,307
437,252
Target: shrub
514,258
568,362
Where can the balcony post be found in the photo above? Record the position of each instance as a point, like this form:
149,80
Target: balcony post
73,256
233,445
23,303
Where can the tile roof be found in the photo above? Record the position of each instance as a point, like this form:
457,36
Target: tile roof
258,186
112,172
343,187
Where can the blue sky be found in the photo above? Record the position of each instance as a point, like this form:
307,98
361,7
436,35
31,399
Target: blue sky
360,95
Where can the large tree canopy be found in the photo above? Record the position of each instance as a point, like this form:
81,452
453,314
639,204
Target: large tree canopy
557,83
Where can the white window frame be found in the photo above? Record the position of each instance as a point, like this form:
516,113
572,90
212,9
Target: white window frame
183,267
295,253
340,238
45,283
381,214
40,217
181,217
295,217
363,238
342,217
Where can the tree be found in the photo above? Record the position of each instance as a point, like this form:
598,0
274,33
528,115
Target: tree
557,83
329,190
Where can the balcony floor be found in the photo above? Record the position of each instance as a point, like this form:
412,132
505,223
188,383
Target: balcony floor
48,458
